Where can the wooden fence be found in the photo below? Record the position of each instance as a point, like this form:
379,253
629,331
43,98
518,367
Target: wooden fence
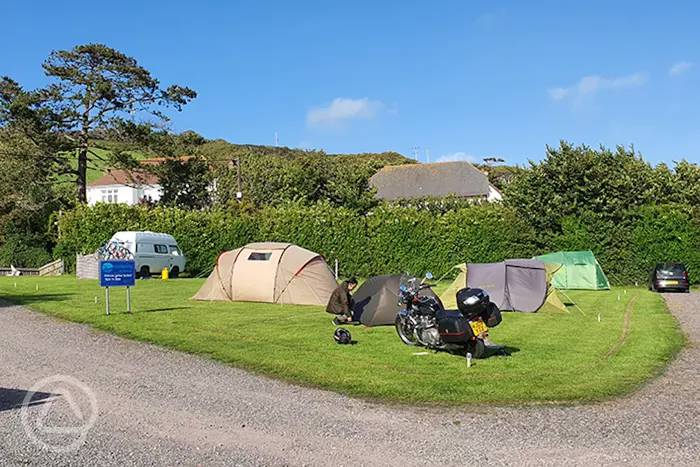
86,266
54,268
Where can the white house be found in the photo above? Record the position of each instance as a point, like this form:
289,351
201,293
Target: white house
120,186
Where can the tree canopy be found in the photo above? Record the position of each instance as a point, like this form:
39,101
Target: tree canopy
572,180
93,90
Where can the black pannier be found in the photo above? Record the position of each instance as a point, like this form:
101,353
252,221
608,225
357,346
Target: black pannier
454,328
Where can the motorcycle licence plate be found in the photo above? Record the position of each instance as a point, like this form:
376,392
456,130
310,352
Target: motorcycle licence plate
478,327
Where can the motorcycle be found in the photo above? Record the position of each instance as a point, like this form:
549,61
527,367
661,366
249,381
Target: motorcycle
423,320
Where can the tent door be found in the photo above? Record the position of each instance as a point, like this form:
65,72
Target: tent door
254,275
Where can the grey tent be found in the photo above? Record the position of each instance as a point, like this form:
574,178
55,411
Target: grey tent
376,300
514,284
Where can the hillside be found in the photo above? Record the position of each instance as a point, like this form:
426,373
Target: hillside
221,152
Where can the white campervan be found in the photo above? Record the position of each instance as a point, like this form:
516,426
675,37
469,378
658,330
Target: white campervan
152,252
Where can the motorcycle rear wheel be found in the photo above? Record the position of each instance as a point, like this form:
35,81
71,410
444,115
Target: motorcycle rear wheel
405,331
477,348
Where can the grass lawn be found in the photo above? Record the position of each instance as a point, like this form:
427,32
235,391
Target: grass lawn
556,357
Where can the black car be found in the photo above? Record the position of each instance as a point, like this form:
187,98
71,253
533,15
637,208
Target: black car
669,276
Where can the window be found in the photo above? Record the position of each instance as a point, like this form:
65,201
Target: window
174,250
670,270
161,249
110,195
256,256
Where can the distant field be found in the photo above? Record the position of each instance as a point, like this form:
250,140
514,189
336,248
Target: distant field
98,168
556,357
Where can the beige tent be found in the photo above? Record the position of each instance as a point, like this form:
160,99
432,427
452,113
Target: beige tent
270,272
449,296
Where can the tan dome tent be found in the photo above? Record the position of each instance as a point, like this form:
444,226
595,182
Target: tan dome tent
270,272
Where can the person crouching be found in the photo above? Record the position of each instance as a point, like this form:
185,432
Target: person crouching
340,303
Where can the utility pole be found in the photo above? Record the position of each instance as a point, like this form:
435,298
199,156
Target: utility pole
237,162
239,192
416,154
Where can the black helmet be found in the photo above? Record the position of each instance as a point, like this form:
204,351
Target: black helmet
472,301
342,336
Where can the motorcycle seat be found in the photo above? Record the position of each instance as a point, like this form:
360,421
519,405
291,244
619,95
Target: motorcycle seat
450,314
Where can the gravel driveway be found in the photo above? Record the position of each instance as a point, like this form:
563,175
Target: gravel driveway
158,406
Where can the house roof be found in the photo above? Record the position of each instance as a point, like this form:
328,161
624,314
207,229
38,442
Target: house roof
439,179
123,177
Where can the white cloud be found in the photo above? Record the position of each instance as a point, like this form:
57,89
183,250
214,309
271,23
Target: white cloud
343,109
457,156
558,94
591,85
679,68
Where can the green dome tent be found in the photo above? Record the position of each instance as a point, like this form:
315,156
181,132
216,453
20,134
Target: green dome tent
579,270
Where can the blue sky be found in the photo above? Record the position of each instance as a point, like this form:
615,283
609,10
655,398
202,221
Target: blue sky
460,79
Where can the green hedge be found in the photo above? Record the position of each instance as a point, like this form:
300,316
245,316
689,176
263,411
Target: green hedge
628,248
391,239
666,233
385,240
202,235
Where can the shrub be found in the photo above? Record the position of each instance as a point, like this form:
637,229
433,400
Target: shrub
19,253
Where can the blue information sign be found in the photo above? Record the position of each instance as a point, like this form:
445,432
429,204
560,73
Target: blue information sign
117,273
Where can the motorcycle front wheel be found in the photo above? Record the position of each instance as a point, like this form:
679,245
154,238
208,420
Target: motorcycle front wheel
405,331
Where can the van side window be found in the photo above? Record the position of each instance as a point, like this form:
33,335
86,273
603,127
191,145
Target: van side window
174,250
160,249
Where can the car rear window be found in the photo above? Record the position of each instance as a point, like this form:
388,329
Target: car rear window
670,269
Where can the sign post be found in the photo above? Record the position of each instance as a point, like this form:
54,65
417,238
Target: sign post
118,273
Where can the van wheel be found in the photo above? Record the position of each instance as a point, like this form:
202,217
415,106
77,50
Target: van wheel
174,272
144,272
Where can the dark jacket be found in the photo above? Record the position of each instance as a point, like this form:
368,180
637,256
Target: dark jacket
340,302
